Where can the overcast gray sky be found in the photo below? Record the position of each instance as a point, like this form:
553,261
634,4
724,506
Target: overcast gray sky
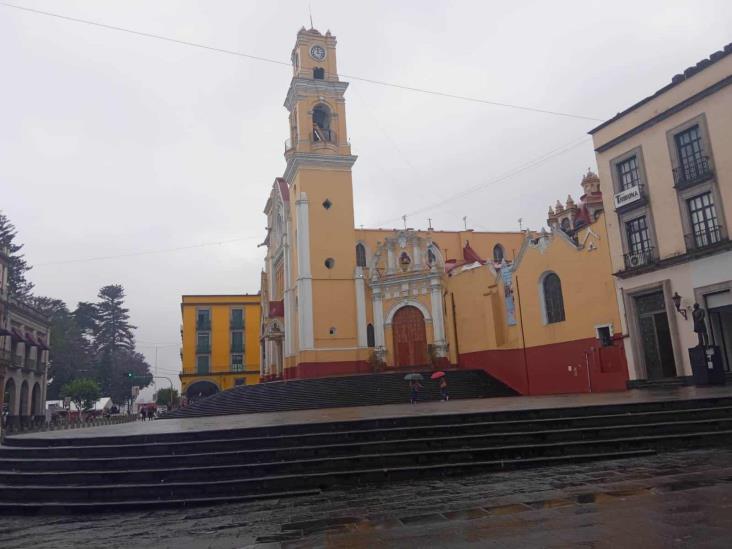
114,144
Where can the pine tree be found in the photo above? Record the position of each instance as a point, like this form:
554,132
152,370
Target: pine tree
113,331
18,286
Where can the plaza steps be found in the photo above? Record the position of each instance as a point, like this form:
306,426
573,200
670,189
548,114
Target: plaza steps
87,474
335,392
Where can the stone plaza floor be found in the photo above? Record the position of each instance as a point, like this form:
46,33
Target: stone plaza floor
324,415
679,499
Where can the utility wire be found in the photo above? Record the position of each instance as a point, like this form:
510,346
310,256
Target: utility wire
149,252
506,175
287,64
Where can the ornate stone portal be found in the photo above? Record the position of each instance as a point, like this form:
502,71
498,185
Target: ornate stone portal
407,270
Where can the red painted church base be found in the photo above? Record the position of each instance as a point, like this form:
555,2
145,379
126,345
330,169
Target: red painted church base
579,366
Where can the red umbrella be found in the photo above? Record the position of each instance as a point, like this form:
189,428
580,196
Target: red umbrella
437,375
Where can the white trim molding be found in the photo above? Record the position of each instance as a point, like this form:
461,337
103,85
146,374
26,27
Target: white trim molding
407,303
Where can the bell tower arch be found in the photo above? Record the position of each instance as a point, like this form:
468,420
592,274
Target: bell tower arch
318,174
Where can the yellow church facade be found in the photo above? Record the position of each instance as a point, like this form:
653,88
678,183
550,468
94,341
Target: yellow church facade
339,300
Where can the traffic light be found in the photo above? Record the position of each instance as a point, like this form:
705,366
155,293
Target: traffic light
130,374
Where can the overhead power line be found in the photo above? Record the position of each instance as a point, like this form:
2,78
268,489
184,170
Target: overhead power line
199,45
506,175
147,252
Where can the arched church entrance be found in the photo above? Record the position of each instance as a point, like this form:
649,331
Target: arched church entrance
410,337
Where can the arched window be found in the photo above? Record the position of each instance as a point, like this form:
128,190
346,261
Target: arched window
566,225
497,253
360,255
319,73
553,301
321,124
370,338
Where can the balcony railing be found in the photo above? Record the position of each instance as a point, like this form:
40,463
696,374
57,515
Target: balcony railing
708,236
323,136
692,171
635,260
203,348
203,324
237,367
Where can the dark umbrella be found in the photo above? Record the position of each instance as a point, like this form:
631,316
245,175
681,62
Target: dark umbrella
413,377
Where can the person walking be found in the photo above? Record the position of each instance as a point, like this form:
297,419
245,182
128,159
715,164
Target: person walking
414,387
443,389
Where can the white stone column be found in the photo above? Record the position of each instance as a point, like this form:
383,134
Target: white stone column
378,317
304,278
438,322
360,308
390,264
288,301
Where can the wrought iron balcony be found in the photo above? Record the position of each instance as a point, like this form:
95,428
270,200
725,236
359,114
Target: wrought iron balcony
693,171
635,260
237,367
203,324
703,238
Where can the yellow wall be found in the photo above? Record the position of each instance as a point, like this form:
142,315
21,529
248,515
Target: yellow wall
587,290
220,356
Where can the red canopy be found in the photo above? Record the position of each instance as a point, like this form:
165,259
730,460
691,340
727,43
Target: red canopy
470,255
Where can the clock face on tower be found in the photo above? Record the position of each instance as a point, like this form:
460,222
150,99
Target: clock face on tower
317,52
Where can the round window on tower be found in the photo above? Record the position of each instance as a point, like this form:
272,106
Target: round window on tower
329,263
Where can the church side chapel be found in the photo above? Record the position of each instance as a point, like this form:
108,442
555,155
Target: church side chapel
536,310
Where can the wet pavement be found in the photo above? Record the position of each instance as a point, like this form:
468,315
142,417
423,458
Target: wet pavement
680,499
356,413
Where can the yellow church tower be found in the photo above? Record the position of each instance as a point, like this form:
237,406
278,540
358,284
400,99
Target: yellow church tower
314,257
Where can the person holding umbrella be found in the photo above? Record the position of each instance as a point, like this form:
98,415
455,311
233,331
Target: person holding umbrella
444,396
414,386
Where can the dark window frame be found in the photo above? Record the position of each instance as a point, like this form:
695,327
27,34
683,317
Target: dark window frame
553,298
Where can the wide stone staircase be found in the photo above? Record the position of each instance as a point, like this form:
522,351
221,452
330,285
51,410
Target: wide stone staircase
334,392
86,474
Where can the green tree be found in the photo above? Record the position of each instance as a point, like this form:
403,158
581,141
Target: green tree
18,286
163,397
113,330
83,392
120,384
112,339
71,354
86,317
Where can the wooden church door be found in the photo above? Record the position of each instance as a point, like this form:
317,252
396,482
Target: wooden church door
410,337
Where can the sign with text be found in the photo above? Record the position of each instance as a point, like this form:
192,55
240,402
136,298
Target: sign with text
628,196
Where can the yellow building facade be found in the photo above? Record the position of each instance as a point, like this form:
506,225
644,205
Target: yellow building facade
339,300
220,343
